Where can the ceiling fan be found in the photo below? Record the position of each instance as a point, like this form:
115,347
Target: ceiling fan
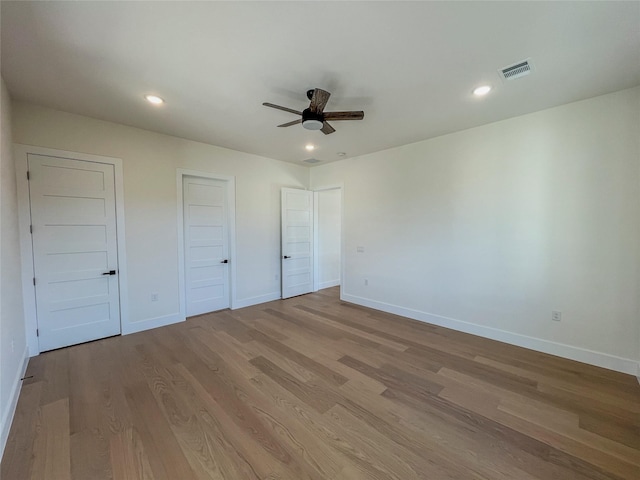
314,117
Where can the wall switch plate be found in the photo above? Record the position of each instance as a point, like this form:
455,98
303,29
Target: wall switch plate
154,297
366,282
360,249
556,316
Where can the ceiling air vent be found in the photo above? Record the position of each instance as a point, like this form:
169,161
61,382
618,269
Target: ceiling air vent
517,70
311,160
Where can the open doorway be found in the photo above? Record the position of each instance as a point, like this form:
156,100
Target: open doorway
311,257
328,244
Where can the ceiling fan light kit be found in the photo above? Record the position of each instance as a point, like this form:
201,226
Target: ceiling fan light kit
311,124
314,117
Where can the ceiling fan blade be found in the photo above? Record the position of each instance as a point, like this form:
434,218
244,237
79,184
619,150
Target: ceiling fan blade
295,122
343,115
290,110
327,129
319,100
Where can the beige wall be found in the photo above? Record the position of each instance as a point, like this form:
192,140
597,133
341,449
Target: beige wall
150,161
13,345
490,229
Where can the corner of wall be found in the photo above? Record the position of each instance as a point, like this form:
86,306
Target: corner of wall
14,353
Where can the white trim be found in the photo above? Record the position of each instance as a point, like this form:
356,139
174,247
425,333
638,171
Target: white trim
329,284
150,323
599,359
8,414
343,242
248,302
21,153
123,282
26,251
231,205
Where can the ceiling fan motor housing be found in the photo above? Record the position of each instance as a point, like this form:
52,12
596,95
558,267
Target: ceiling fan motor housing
312,120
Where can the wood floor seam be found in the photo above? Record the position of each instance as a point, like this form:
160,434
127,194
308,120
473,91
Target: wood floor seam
314,388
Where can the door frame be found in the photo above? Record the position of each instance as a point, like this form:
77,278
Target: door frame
231,207
21,153
316,234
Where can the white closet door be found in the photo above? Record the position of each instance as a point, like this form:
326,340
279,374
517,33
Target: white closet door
75,258
206,240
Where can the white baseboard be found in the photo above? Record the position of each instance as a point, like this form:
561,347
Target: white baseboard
329,284
599,359
10,410
150,323
247,302
165,320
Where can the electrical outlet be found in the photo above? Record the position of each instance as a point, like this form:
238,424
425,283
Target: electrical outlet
556,316
154,296
360,249
276,277
366,282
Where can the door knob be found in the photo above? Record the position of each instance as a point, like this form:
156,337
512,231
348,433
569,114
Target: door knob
286,256
110,272
225,261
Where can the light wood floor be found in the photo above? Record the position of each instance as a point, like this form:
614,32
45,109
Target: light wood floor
312,388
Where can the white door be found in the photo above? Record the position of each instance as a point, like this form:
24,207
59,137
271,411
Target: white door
206,244
75,257
297,242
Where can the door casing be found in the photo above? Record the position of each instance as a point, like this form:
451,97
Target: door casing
21,153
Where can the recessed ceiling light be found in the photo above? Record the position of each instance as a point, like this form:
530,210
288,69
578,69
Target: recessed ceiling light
154,99
483,90
310,147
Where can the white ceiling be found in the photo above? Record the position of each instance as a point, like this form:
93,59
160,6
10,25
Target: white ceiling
410,66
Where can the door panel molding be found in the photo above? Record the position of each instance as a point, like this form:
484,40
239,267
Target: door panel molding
75,250
21,153
206,245
231,203
297,241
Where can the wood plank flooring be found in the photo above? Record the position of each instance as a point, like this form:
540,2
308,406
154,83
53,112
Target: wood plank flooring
313,388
